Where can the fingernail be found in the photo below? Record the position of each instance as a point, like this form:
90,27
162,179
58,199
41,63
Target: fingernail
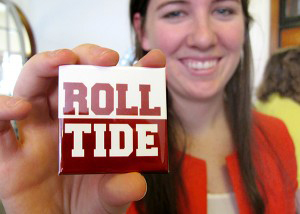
13,101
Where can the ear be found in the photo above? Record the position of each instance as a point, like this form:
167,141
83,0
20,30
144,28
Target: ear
140,31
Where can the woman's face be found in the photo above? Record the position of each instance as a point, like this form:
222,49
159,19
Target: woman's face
202,40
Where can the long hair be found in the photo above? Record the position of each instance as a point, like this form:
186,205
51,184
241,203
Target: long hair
282,75
163,190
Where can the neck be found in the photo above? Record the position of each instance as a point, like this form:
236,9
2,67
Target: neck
197,116
206,133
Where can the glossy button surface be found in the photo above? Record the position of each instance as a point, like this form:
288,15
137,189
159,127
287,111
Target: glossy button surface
112,120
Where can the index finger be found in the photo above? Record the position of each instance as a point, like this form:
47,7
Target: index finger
33,80
40,69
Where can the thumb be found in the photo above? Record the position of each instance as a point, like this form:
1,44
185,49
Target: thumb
154,59
117,191
11,108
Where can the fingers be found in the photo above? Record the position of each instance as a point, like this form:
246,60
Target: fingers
119,190
34,78
154,59
38,79
36,75
89,54
11,108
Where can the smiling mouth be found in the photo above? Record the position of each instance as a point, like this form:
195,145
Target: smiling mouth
201,65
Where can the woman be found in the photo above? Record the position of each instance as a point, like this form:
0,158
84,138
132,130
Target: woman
279,92
206,43
208,86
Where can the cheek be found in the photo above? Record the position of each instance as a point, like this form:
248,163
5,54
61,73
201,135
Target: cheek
233,36
164,38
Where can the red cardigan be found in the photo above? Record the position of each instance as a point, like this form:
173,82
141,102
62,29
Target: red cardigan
275,163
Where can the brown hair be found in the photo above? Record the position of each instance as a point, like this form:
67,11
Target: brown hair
163,190
282,75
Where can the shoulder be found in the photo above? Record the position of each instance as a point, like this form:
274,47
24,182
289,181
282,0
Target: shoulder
271,132
273,140
272,137
271,127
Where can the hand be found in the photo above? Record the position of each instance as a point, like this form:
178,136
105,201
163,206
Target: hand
29,181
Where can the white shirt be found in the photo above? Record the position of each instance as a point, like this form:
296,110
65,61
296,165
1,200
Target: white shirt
221,203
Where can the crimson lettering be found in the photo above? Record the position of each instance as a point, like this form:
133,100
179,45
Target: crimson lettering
71,97
109,99
145,110
102,100
122,110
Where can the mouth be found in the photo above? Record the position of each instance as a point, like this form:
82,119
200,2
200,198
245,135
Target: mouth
201,66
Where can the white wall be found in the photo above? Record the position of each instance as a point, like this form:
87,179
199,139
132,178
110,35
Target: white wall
260,34
67,23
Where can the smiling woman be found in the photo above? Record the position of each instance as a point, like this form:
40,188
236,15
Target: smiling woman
206,44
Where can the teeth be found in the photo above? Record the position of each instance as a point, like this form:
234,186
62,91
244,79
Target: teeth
202,65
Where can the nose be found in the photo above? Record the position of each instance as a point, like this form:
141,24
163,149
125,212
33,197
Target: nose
202,34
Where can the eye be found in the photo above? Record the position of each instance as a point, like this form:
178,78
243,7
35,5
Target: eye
224,11
174,14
